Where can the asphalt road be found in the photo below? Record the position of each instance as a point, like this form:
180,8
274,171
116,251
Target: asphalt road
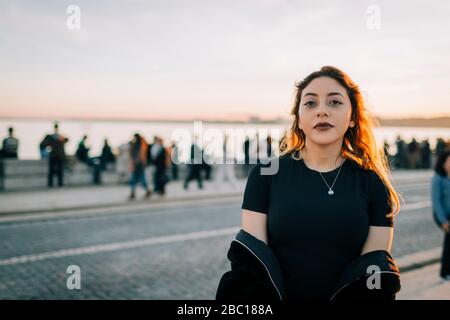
163,252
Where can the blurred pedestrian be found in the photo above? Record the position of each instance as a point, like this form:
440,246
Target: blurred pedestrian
440,195
159,156
44,149
263,148
10,145
426,154
257,145
57,155
414,155
107,155
194,167
82,153
174,157
269,146
206,167
400,156
138,152
247,165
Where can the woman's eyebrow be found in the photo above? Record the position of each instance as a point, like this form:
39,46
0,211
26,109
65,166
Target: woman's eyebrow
329,94
335,93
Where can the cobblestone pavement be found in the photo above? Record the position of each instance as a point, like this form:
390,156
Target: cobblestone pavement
159,253
424,284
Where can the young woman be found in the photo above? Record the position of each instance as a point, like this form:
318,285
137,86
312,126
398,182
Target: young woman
440,194
329,202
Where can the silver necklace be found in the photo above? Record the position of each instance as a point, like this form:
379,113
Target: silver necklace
330,189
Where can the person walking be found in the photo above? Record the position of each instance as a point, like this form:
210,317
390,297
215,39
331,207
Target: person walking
138,161
440,195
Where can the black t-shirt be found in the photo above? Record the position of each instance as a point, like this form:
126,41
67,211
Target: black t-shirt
313,234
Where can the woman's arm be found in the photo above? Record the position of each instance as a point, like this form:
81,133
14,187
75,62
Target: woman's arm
379,238
255,223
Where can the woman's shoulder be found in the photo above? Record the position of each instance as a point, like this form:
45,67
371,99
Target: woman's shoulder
437,178
367,174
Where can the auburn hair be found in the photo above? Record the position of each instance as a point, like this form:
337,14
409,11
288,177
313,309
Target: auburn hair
358,144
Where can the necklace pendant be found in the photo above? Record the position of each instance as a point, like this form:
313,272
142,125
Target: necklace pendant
330,192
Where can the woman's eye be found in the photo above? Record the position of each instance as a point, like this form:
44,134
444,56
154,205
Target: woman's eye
335,102
309,103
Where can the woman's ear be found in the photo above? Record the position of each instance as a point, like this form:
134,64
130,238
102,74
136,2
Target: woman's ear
352,124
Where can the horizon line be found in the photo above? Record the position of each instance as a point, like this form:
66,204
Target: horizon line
250,119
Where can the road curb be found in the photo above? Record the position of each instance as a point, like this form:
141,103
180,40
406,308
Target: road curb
125,204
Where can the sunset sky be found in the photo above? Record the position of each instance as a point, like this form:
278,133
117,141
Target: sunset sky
218,59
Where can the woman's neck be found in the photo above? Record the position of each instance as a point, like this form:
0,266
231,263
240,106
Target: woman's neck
322,158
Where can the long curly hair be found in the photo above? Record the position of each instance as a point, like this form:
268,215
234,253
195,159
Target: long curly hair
358,144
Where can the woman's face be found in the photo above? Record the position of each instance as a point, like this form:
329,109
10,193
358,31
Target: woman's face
325,100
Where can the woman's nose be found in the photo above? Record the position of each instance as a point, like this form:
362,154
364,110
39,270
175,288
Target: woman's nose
321,110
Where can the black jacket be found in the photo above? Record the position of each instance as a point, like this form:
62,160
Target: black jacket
256,274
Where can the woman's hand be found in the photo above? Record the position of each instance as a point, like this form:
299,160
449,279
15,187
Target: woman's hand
446,227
